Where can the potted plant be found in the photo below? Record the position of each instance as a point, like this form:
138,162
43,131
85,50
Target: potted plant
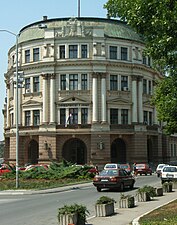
167,186
104,206
126,201
146,193
72,214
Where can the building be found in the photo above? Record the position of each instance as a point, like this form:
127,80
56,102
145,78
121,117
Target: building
85,95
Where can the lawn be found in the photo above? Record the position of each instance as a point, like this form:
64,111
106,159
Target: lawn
162,216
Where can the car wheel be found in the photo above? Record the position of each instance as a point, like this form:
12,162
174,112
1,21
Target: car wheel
121,187
98,189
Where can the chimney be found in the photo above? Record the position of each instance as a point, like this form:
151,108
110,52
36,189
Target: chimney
44,18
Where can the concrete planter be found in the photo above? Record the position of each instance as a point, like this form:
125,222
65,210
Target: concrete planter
159,191
104,209
143,197
127,202
66,219
167,187
175,185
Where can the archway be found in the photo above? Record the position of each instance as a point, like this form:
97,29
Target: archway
75,151
118,151
33,152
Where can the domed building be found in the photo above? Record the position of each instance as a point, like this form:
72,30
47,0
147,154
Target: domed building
84,95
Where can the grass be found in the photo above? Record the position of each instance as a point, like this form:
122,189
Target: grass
161,216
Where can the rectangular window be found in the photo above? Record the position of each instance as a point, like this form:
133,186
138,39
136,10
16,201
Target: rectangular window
62,52
124,53
113,52
36,117
73,116
27,56
63,82
124,83
83,51
149,61
171,149
174,149
113,116
150,118
144,86
73,82
113,82
27,85
83,81
35,84
27,118
62,116
35,54
11,119
73,51
145,117
124,116
84,116
150,87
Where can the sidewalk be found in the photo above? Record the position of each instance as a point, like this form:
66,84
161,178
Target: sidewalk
126,216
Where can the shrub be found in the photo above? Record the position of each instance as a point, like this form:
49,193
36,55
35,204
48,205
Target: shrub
151,191
105,200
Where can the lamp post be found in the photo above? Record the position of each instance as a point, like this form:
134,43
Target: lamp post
16,103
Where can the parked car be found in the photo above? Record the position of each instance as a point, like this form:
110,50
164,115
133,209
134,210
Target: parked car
126,166
4,169
143,168
113,179
159,169
111,166
169,173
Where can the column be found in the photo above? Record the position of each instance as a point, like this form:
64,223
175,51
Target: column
140,99
45,97
7,115
103,98
134,99
52,98
94,98
14,104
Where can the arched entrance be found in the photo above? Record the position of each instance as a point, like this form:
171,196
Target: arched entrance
75,151
33,152
118,151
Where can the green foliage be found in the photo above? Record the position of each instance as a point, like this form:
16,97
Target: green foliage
81,211
131,200
105,200
151,191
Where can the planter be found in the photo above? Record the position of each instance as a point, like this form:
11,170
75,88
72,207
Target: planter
66,219
143,197
127,202
104,209
159,191
174,185
167,187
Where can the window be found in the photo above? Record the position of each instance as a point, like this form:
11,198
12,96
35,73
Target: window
73,82
27,118
62,52
113,82
144,60
150,87
113,52
124,116
113,116
84,116
149,61
124,82
27,56
83,51
63,82
11,119
74,116
83,81
62,116
124,53
35,54
35,84
27,85
36,117
145,117
144,86
150,118
72,51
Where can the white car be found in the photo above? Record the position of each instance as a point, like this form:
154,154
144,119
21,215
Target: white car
169,173
159,169
111,166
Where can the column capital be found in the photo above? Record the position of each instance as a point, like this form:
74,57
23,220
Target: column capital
97,74
134,77
47,76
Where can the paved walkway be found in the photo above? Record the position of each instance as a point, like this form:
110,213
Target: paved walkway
121,216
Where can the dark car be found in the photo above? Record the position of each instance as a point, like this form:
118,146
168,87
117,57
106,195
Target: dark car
143,168
126,166
113,179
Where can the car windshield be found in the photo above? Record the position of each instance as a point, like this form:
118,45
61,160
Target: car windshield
108,173
111,166
140,166
124,166
170,169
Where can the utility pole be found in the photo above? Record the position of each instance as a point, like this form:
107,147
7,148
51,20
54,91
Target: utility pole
78,8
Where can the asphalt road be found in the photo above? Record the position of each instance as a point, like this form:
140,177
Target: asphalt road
41,209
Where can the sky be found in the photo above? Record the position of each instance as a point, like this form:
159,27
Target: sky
16,14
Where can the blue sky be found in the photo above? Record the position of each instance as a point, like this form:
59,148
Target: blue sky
15,14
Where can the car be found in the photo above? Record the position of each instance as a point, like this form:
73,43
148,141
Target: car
126,166
169,173
111,166
159,169
4,169
113,179
143,168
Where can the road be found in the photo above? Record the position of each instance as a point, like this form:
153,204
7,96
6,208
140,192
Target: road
41,209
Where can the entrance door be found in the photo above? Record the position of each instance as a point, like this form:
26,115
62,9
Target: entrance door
118,151
33,152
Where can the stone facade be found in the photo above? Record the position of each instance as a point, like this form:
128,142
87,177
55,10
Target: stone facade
84,95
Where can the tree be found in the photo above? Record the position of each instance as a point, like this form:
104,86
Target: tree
156,20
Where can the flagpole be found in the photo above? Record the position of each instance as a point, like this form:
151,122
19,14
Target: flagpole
78,8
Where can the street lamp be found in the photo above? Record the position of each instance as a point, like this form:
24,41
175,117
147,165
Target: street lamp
16,103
